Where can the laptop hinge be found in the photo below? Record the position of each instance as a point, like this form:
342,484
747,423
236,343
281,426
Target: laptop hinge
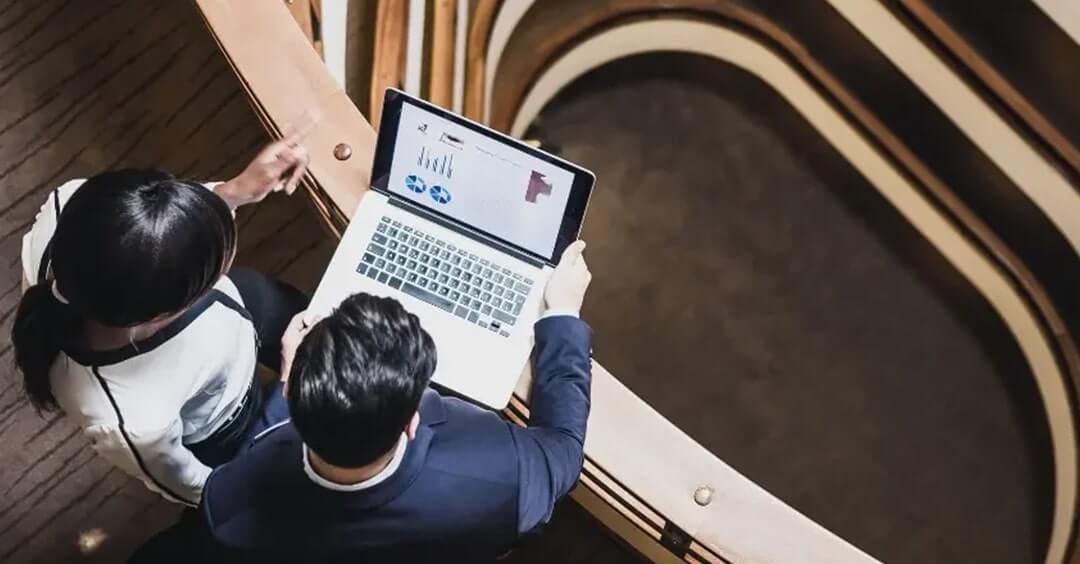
465,230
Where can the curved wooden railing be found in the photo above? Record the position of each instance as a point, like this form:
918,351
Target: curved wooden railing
500,63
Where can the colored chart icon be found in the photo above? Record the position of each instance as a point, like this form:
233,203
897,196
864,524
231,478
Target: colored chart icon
440,194
415,183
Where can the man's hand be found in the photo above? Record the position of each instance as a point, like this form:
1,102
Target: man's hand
277,168
566,289
299,326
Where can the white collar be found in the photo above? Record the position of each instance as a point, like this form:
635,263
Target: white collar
382,476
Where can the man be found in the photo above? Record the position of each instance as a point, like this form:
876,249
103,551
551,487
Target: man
376,467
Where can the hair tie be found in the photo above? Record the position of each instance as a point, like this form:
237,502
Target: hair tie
56,294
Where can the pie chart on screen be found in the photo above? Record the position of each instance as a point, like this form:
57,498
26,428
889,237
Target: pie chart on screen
440,194
415,183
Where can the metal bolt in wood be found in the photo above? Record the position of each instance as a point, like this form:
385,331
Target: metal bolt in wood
703,495
342,151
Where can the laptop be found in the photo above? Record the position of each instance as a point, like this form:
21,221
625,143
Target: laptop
463,225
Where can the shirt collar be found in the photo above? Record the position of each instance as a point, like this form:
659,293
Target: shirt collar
382,476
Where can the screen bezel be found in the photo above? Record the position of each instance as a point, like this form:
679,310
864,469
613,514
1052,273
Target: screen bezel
580,190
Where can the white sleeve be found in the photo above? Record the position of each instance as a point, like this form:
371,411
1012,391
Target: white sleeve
35,240
158,458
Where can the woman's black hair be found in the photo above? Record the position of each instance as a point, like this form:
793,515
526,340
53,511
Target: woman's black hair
130,246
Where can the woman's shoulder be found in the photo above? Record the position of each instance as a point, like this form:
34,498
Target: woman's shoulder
35,240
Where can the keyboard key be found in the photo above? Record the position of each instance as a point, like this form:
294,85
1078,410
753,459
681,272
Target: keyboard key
379,238
413,253
372,273
412,265
380,263
419,233
424,246
472,257
407,229
465,301
391,255
494,324
445,267
527,281
402,237
496,302
424,259
465,288
413,241
444,254
456,273
504,333
391,268
475,292
455,296
487,273
519,299
517,309
503,316
456,259
494,328
429,238
368,258
444,291
426,296
488,286
473,316
376,250
517,276
484,262
362,268
411,277
381,228
396,224
466,265
443,279
385,219
395,283
451,248
466,277
393,245
476,269
475,304
486,297
498,279
463,253
393,233
422,270
461,312
383,277
510,296
498,290
521,288
435,263
506,271
509,283
485,310
454,283
440,243
483,324
433,286
401,260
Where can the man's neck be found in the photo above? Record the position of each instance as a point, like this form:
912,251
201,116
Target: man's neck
349,476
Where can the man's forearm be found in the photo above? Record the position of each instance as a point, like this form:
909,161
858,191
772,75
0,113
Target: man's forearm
562,376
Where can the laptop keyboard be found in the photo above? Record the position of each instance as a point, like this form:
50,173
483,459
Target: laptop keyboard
452,279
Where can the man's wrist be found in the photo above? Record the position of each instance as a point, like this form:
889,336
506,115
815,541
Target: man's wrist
231,191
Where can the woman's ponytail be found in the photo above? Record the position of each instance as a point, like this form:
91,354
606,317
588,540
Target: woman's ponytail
42,325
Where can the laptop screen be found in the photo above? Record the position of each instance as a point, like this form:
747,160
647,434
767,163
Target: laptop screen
479,178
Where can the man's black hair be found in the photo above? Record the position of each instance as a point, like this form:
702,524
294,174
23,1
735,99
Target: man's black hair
357,379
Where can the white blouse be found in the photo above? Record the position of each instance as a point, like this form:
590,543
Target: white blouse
140,404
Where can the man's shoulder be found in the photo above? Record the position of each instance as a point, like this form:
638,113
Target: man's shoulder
275,457
469,442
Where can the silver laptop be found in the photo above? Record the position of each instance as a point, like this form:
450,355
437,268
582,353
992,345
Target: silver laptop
463,225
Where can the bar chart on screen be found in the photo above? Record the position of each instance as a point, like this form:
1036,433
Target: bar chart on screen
440,164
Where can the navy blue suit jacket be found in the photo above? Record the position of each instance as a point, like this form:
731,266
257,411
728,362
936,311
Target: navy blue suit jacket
469,485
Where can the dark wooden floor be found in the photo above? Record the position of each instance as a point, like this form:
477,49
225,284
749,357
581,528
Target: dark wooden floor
90,86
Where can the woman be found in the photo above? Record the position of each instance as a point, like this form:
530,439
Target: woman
134,329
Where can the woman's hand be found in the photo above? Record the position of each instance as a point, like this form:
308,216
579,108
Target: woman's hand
277,168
